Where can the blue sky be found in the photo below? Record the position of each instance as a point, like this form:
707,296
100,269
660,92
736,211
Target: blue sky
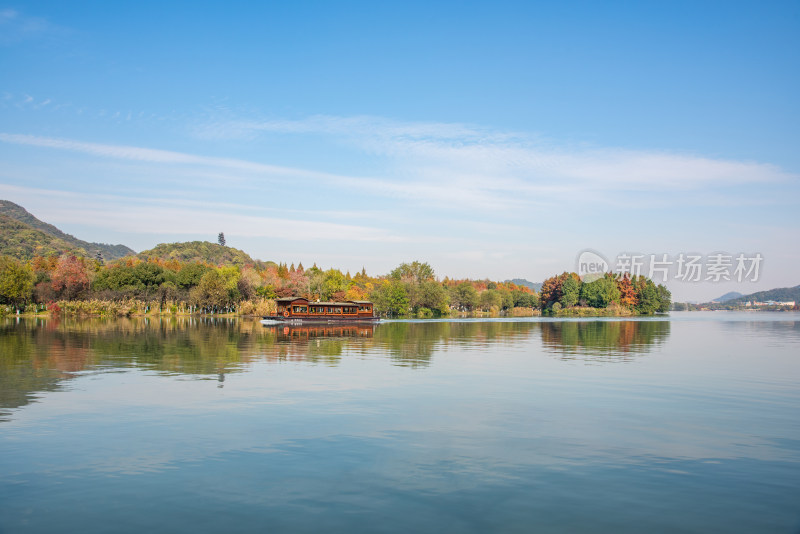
489,139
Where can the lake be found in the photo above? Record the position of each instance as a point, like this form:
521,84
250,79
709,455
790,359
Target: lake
687,423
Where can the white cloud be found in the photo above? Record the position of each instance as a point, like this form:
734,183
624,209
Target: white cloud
486,168
462,168
152,155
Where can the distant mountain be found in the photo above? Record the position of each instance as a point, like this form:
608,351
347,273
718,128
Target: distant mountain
200,251
18,213
23,241
536,286
781,294
728,296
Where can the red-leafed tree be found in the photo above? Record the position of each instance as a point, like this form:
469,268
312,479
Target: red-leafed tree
71,277
627,291
551,291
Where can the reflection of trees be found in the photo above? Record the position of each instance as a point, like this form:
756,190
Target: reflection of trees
39,354
603,340
35,357
413,343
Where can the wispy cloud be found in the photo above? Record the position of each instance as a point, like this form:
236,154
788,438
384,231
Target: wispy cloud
510,161
461,168
152,155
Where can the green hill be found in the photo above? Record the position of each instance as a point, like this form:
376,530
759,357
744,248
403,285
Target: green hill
18,213
22,241
201,251
781,294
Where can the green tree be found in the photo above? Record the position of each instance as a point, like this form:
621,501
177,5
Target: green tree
464,296
218,288
600,293
522,299
647,296
507,298
491,298
16,282
664,298
570,291
190,274
334,284
391,298
414,272
149,275
433,296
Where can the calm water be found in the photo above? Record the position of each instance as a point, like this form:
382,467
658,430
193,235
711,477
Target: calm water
690,424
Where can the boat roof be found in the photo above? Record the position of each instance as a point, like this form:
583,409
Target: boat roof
344,303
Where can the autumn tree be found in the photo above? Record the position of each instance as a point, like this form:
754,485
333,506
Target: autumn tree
627,293
551,291
70,278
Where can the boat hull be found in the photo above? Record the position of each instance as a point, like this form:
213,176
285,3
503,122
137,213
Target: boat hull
280,319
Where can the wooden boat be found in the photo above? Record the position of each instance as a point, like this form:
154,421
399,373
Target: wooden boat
298,310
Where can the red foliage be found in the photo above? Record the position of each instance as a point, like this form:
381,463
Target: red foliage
551,288
627,291
70,277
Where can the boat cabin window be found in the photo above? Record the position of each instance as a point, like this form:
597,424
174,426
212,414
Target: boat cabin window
300,309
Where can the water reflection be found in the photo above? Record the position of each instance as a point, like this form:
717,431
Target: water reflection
38,355
603,341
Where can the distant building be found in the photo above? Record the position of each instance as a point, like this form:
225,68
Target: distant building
780,304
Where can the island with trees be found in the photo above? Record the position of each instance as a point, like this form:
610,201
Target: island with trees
204,277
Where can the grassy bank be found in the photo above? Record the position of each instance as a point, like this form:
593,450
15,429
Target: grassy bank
586,311
139,308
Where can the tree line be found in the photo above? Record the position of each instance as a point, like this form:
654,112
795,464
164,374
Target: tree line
618,293
410,290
